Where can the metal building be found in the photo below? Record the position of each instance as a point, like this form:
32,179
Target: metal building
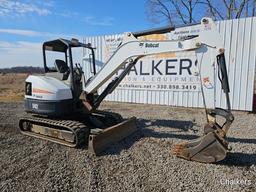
239,38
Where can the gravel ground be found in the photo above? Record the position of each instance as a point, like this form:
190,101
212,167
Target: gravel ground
141,162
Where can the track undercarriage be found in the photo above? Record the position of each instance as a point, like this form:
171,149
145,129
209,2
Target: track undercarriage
97,130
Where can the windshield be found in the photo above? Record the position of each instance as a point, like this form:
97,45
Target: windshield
51,56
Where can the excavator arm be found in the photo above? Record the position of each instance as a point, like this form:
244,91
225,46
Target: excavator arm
209,50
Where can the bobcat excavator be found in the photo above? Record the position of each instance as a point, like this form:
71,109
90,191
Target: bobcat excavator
62,105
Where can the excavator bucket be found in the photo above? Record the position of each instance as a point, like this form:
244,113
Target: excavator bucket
212,146
100,139
208,149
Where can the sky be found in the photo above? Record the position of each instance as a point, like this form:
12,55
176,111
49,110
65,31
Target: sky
26,24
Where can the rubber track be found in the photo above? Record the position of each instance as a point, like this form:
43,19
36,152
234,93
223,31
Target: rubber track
80,130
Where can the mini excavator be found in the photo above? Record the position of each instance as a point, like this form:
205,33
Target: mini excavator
62,105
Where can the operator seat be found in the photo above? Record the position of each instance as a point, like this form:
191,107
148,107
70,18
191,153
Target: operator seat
62,68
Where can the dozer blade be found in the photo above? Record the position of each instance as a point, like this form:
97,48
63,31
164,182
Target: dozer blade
210,148
100,139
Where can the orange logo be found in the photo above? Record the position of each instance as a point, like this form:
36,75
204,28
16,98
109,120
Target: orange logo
206,79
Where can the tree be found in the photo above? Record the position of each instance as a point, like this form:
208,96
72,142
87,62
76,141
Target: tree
231,9
174,11
189,11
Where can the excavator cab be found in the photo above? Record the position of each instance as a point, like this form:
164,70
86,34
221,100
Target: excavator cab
58,57
56,93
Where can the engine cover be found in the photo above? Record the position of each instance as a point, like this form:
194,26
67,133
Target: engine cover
48,96
46,88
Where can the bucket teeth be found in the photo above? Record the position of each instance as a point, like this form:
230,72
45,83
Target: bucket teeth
178,148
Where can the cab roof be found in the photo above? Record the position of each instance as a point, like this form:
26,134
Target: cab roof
62,45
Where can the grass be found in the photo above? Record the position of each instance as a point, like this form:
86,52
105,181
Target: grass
12,98
12,87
